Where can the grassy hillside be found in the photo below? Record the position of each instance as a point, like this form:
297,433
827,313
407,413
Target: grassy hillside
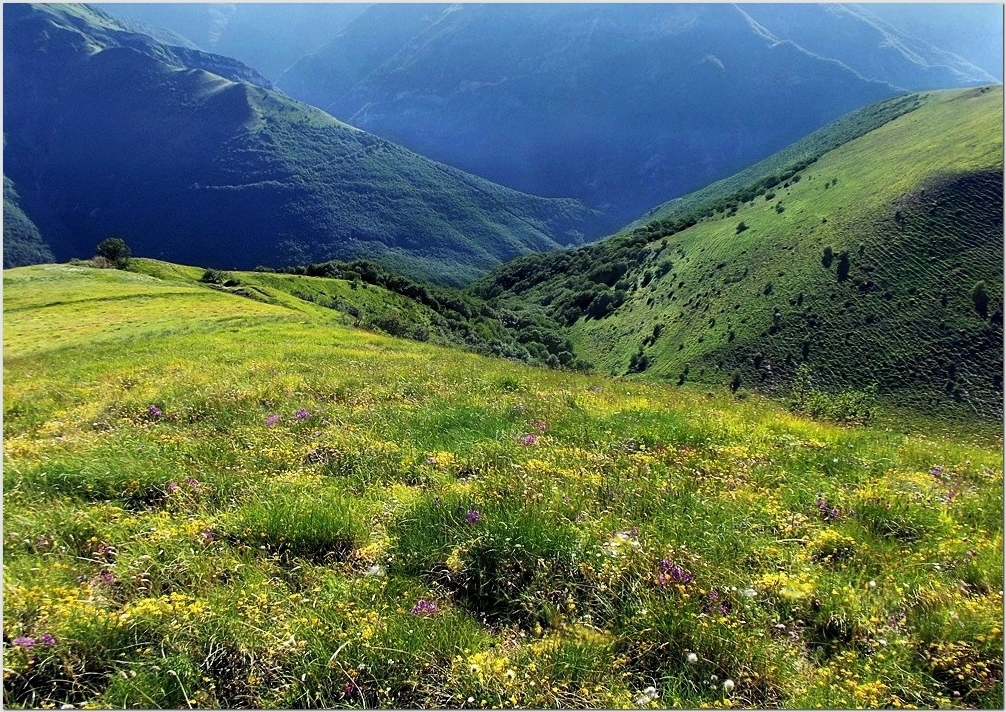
739,289
364,295
213,501
111,133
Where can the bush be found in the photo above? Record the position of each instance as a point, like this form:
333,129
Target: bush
980,298
842,271
827,256
115,250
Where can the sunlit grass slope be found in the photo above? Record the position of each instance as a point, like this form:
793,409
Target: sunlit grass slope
757,289
219,502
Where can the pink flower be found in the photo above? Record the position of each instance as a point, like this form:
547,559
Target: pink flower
303,414
529,439
272,420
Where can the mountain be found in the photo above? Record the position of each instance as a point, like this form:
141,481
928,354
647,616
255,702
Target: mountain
267,36
622,106
874,263
193,157
22,241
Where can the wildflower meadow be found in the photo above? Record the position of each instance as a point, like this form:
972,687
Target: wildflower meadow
217,502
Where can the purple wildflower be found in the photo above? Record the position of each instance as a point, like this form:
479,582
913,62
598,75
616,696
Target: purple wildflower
529,439
826,511
349,688
539,424
192,482
424,608
272,420
106,577
172,486
473,516
23,642
671,572
936,471
208,536
303,414
47,639
154,412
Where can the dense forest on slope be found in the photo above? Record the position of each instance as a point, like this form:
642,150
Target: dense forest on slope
109,132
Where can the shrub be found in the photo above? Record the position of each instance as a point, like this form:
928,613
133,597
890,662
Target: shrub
842,271
827,256
741,227
214,276
980,298
115,250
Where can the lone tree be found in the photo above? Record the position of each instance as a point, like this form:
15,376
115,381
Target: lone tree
115,250
980,297
842,271
827,256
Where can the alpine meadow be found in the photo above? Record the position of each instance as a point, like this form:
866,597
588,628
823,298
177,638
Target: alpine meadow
690,397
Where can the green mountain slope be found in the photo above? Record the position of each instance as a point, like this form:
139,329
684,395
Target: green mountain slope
212,501
914,205
22,242
111,133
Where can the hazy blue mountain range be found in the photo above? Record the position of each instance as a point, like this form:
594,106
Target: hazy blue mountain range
190,157
622,106
267,36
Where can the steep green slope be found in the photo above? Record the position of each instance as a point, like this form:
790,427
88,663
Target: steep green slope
743,294
214,502
110,133
22,242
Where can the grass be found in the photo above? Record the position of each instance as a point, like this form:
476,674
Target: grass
914,205
247,504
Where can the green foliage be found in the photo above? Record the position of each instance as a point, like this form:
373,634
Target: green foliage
980,299
847,406
842,269
216,276
115,250
827,256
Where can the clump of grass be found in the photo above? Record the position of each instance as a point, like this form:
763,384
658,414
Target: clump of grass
319,525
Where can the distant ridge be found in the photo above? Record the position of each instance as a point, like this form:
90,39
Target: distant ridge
191,157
